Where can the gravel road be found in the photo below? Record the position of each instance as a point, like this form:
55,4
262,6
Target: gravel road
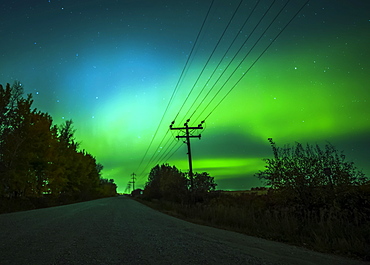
122,231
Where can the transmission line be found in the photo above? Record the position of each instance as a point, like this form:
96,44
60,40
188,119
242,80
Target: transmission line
222,59
192,50
166,152
179,144
246,55
177,84
163,155
209,58
164,149
268,46
228,65
224,54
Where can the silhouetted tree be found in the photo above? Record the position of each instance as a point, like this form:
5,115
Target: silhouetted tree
166,182
169,183
203,183
107,188
7,125
152,187
18,150
37,157
66,135
311,174
136,192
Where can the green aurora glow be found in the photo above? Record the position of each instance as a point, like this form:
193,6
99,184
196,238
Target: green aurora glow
113,74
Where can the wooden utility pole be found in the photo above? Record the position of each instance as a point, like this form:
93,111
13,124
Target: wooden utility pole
133,181
187,136
128,187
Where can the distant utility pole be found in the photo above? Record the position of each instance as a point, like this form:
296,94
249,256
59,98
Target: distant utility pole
187,136
128,187
133,181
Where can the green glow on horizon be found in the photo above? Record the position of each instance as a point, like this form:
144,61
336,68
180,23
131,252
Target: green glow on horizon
296,103
227,167
115,77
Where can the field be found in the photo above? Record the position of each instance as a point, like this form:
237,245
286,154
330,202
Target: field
337,229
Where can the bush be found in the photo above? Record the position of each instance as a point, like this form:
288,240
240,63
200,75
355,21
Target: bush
311,175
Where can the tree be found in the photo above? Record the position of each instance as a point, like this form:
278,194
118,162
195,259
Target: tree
204,183
152,186
69,160
27,150
107,188
166,182
9,99
25,142
17,148
58,165
5,95
37,157
8,103
89,177
311,174
66,135
39,148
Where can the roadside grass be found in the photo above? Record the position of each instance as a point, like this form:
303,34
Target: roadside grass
332,230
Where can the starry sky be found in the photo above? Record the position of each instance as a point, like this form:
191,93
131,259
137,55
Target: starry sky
123,70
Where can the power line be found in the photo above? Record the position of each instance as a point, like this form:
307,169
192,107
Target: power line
188,136
199,33
224,54
209,58
178,82
228,65
295,15
164,154
170,153
128,188
155,153
220,61
191,52
133,181
165,150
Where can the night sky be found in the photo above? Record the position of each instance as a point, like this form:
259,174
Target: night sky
123,70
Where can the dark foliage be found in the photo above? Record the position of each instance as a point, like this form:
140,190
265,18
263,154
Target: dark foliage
316,199
168,183
41,160
203,185
311,176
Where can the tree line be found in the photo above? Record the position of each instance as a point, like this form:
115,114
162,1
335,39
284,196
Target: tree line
168,183
314,198
305,176
312,177
38,158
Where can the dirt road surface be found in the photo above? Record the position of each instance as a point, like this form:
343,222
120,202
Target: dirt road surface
122,231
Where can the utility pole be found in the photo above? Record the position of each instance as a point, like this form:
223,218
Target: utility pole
187,136
133,181
128,187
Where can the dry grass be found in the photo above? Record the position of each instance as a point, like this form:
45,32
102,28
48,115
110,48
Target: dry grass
327,229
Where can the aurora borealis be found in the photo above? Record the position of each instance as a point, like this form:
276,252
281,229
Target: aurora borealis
112,67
